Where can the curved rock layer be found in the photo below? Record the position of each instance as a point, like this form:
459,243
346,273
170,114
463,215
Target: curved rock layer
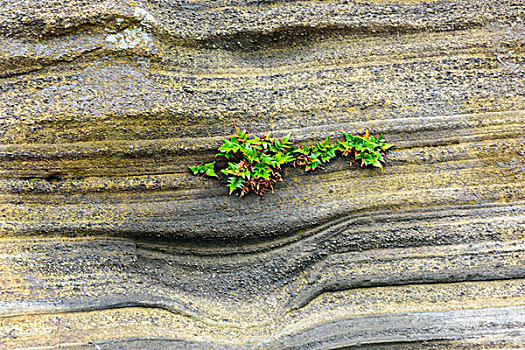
107,241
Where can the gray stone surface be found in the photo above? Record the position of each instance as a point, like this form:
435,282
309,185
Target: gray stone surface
108,242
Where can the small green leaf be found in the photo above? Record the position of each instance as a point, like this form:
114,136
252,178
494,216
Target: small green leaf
235,183
206,169
211,172
377,164
195,169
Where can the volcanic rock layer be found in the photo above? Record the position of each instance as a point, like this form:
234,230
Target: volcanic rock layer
108,242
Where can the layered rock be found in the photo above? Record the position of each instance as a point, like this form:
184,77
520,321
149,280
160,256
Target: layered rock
107,241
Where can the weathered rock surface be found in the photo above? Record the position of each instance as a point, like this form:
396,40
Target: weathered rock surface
107,241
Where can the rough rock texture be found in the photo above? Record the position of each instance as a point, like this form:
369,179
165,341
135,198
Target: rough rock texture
107,241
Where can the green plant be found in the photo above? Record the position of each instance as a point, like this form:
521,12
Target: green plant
206,169
254,163
368,149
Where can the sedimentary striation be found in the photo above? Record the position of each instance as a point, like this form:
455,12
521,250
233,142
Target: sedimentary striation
108,242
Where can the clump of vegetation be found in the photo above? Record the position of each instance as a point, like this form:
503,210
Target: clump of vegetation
254,164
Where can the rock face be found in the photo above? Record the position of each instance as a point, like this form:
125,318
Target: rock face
108,242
